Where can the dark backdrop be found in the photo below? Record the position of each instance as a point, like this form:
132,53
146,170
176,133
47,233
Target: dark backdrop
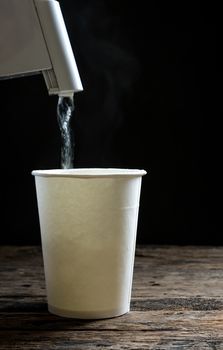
149,101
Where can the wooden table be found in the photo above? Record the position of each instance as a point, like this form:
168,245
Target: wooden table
177,303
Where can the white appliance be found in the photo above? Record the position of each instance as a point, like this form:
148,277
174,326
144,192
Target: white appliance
34,39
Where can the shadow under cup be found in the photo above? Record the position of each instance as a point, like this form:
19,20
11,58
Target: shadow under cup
88,221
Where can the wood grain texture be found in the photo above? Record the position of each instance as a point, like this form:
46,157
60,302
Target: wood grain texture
177,303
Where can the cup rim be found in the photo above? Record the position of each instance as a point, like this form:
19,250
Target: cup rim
89,172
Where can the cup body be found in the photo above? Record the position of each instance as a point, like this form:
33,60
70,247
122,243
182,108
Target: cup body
88,222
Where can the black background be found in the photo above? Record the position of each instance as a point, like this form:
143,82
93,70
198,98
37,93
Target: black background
150,101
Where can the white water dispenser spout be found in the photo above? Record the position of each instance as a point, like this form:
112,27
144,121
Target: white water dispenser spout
34,39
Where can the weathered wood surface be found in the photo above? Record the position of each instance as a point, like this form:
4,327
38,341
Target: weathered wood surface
177,303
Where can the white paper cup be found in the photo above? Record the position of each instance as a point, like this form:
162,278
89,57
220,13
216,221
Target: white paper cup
88,221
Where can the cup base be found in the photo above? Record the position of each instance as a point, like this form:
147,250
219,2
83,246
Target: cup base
88,315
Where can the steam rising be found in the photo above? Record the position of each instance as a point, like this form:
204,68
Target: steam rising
65,108
109,67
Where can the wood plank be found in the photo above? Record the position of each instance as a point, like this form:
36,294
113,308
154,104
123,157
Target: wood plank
188,322
175,271
39,304
21,271
164,339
